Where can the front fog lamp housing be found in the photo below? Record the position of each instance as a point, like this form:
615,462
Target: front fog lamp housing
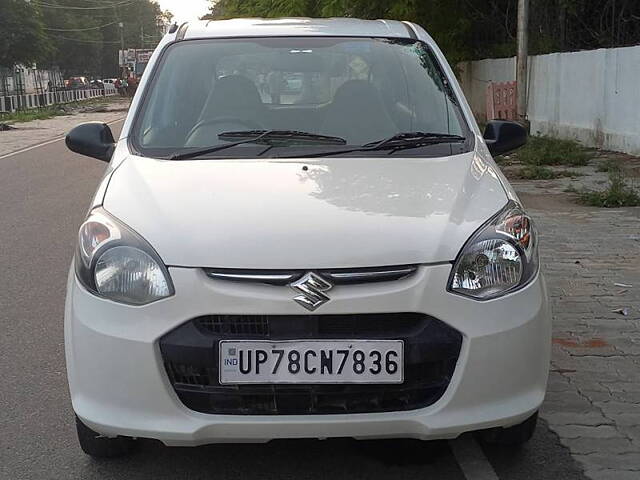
114,262
499,258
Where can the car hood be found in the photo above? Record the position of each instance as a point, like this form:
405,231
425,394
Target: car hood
297,214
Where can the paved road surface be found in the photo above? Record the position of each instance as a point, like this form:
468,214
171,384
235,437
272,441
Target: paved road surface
44,193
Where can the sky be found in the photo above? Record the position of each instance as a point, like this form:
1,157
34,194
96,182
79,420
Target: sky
184,10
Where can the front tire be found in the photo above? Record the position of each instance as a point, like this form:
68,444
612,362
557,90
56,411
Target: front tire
98,446
511,436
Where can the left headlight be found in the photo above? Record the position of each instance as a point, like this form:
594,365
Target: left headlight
114,262
501,257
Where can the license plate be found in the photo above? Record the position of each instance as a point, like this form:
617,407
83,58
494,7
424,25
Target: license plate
311,361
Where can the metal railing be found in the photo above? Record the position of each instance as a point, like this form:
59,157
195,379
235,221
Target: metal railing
12,103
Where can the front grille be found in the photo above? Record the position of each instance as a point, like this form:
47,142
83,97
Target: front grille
316,326
337,276
370,326
189,374
235,325
190,355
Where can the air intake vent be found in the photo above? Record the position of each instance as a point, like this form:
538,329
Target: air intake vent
232,325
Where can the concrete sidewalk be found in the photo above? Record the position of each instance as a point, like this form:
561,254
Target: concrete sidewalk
35,132
593,399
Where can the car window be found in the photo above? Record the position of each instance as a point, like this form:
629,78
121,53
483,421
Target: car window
359,89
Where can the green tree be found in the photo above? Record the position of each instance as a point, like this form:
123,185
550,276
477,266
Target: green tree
22,39
85,36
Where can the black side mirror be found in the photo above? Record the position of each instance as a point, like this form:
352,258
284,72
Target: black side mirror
93,139
502,136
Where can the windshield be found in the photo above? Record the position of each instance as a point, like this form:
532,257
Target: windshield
361,90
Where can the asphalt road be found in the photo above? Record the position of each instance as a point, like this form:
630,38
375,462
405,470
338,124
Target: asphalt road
44,193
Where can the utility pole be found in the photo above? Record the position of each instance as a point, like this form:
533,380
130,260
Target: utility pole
121,25
523,56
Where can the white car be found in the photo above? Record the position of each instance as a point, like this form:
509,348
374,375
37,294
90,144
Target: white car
340,260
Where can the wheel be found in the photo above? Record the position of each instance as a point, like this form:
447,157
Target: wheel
515,435
94,444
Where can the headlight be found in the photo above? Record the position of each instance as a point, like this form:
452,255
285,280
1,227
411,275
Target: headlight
116,263
502,256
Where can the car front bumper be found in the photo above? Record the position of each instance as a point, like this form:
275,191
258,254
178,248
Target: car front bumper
119,385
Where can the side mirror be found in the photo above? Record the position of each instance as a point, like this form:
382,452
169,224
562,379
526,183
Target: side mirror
93,139
502,136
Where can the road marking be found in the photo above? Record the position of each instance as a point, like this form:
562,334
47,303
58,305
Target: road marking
48,142
471,459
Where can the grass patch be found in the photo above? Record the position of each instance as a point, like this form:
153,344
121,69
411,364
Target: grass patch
536,172
539,172
608,165
617,194
35,114
543,150
50,111
569,173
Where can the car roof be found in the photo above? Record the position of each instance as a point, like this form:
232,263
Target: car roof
260,27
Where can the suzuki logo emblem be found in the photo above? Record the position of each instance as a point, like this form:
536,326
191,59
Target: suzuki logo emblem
312,288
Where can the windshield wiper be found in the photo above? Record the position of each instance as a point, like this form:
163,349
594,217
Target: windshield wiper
399,141
286,136
413,140
268,137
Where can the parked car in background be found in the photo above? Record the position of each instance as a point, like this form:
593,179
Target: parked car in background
76,83
347,262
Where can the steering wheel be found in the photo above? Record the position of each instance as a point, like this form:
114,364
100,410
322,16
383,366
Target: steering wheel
244,124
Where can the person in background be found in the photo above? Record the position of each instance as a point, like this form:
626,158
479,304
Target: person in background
124,85
132,85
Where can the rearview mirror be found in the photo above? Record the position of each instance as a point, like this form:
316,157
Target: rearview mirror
93,139
502,136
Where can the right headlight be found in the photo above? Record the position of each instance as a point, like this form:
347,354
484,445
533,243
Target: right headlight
114,262
501,257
